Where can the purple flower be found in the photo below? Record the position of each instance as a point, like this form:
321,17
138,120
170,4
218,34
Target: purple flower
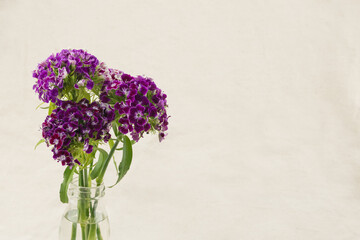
127,77
152,111
89,84
155,99
143,90
64,157
142,106
56,141
53,73
75,128
147,127
136,115
72,125
104,98
80,83
162,136
125,126
87,148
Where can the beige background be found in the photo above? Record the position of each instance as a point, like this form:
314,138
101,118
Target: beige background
264,135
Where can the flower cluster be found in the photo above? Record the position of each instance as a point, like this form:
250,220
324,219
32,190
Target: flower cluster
138,101
73,126
90,98
52,72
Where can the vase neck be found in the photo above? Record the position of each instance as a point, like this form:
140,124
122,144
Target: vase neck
93,191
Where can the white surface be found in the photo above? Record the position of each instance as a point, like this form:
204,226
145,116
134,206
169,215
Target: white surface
264,135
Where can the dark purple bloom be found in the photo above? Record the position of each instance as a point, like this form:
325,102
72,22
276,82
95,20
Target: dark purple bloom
114,85
75,124
155,99
138,128
147,127
143,90
104,98
89,84
76,128
67,141
126,77
64,157
162,136
142,105
122,107
87,148
145,101
152,111
54,71
135,136
56,141
125,126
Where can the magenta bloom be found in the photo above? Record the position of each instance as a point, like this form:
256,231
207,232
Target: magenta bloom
90,99
79,124
143,105
52,73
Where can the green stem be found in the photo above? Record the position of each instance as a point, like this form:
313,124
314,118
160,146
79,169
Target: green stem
92,232
85,207
73,231
86,201
83,232
81,206
93,215
98,233
85,177
99,179
90,226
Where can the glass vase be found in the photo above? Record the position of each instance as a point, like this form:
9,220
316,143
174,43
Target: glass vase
85,217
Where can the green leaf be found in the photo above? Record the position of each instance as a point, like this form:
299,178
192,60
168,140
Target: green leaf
132,143
111,143
39,105
124,166
116,167
100,163
115,129
68,175
39,142
52,106
87,96
106,163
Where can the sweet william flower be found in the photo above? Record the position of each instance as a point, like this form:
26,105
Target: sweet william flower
162,136
56,141
88,148
152,111
87,101
89,84
76,124
135,102
136,115
122,107
143,106
52,74
125,126
64,157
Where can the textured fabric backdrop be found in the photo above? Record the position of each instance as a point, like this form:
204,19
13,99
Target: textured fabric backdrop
264,130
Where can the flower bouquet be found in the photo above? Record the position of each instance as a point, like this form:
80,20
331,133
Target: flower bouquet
90,105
